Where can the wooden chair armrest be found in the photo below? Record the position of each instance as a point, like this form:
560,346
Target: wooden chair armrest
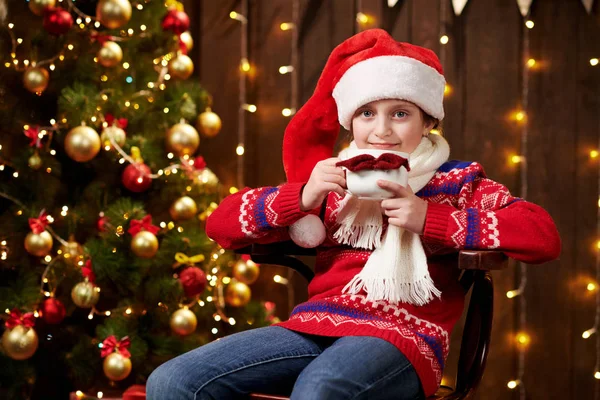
482,260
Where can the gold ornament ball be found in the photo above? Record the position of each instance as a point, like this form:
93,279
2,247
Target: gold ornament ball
35,79
209,123
38,245
85,294
246,272
116,367
20,343
207,179
72,252
237,294
115,133
113,13
183,322
35,161
82,143
183,208
110,54
181,67
187,40
37,6
144,244
182,139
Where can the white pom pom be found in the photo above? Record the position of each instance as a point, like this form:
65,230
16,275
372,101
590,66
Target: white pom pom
308,232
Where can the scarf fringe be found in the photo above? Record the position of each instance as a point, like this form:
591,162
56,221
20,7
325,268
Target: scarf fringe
365,237
419,292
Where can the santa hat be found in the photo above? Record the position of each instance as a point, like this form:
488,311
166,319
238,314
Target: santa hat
368,66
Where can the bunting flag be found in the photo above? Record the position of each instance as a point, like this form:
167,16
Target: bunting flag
459,6
392,3
524,6
588,4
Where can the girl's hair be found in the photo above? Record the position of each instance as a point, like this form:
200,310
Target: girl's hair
428,119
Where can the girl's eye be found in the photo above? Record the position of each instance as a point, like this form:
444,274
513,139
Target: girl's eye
400,114
367,113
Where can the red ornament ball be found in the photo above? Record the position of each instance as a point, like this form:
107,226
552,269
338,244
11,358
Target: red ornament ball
136,178
53,311
193,281
57,21
176,21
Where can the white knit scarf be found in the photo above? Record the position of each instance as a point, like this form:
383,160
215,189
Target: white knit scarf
396,270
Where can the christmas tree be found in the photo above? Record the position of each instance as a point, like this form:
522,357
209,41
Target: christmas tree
105,269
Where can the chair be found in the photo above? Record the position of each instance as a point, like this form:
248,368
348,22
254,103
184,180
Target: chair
475,344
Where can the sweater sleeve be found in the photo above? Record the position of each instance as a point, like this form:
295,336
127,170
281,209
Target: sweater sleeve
260,215
486,216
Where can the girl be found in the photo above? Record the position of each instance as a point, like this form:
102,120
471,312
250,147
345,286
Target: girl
379,316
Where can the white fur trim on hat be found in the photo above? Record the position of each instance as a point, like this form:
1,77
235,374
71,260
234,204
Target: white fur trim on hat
389,77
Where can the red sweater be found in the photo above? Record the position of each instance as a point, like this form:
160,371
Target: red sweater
465,211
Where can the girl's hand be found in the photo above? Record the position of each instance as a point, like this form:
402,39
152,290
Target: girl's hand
405,209
325,178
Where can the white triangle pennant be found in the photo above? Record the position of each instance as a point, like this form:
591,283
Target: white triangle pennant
459,6
524,6
588,5
392,3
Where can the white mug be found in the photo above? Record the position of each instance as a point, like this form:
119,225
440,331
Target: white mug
363,184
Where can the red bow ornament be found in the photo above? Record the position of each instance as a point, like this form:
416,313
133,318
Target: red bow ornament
88,272
144,224
182,47
110,344
16,319
39,224
101,38
119,122
33,134
385,161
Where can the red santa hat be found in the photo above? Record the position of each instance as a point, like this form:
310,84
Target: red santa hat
368,66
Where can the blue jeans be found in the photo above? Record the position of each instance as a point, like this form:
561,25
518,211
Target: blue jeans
275,360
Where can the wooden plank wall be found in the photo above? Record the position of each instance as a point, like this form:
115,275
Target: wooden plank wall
483,65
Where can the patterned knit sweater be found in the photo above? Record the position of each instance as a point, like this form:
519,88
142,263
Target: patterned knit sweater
465,211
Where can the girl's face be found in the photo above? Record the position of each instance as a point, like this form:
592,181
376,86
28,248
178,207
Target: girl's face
389,124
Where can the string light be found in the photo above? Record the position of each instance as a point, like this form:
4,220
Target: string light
519,116
249,107
238,17
240,150
594,154
516,159
280,279
447,90
591,286
362,18
594,62
245,65
286,69
523,339
513,384
286,112
529,24
588,333
444,39
531,63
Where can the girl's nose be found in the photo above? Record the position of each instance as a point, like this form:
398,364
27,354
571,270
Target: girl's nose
382,129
